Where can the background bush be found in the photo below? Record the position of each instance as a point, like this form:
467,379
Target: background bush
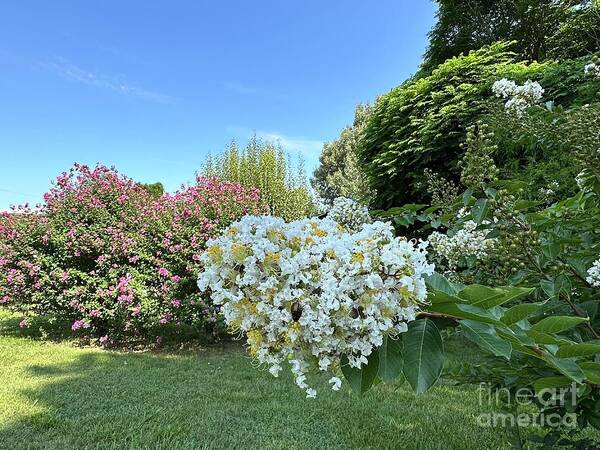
339,173
115,261
422,123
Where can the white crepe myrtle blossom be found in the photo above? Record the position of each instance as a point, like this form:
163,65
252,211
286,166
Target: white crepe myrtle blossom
349,213
592,70
550,190
466,242
593,272
307,292
519,97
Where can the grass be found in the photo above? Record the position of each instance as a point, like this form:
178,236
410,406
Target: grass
54,395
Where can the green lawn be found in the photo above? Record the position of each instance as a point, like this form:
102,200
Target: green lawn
59,396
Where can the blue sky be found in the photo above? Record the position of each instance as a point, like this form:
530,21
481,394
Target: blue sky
153,86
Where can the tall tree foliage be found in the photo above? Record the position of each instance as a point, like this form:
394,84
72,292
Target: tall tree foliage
264,165
539,28
338,173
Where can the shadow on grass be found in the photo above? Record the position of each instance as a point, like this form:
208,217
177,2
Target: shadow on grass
214,398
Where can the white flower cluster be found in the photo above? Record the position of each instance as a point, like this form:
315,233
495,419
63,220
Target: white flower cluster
593,272
349,213
466,242
592,70
519,97
550,190
580,180
320,205
308,291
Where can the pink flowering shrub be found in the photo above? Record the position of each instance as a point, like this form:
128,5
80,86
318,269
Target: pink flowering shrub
114,261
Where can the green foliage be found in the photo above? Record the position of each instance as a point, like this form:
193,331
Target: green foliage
264,165
478,167
339,174
535,150
578,33
542,330
422,123
540,28
156,190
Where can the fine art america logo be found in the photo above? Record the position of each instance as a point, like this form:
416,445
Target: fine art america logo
526,407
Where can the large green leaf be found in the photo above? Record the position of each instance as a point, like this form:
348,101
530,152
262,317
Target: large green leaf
567,367
362,379
464,311
436,297
484,335
557,324
550,383
390,359
480,210
542,338
486,297
476,294
519,312
437,282
423,354
576,349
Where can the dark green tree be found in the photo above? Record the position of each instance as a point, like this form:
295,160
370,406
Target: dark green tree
539,28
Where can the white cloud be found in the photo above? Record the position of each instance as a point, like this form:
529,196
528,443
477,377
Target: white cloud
309,148
71,72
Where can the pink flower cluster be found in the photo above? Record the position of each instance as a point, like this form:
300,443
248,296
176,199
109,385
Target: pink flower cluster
117,261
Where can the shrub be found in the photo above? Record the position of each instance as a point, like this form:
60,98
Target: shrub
114,261
263,165
535,150
422,123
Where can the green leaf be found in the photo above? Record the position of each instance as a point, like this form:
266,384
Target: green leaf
477,293
557,324
548,288
480,210
591,371
579,265
361,380
518,313
438,282
463,311
551,250
574,350
542,338
567,367
486,297
466,197
423,354
390,359
522,205
484,335
550,383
